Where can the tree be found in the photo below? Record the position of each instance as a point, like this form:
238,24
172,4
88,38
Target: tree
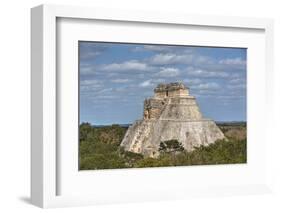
85,129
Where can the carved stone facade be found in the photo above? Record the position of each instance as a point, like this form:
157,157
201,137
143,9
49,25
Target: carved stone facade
172,113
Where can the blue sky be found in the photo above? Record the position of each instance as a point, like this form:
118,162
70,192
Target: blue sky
115,79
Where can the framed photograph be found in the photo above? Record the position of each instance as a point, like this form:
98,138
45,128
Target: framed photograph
129,106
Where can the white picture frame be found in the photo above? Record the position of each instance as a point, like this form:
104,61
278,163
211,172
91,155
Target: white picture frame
44,149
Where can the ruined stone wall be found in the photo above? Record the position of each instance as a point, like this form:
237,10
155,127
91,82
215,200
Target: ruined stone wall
177,93
169,91
153,108
183,108
160,95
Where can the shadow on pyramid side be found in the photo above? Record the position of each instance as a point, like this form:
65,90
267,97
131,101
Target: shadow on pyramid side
171,114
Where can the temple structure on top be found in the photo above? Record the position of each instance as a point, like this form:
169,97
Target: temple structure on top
171,114
176,96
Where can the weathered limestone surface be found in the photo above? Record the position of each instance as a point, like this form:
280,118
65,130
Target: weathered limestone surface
171,114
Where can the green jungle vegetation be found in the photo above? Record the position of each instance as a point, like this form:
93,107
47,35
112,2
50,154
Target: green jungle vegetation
99,148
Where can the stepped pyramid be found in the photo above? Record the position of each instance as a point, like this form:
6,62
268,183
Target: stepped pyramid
172,113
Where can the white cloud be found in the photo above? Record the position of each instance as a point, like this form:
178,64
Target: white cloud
207,86
192,81
90,50
237,86
232,61
229,97
206,74
158,48
103,91
89,55
184,57
159,80
147,83
154,48
137,49
127,65
90,82
168,72
164,49
90,85
200,59
237,80
169,58
100,99
120,80
86,69
122,89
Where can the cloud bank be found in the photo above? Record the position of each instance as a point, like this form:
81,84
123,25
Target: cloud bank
116,78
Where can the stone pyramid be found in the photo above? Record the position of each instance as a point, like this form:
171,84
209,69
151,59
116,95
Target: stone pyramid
171,114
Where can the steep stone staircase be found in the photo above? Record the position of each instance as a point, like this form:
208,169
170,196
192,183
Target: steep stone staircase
142,132
167,102
140,135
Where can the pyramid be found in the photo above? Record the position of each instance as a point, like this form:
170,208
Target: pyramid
171,114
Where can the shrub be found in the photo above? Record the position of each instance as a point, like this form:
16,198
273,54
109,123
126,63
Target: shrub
171,146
